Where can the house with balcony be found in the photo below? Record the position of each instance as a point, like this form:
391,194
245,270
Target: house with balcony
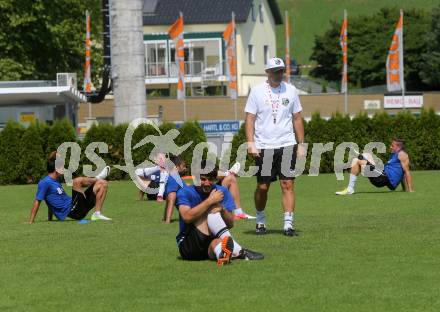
205,59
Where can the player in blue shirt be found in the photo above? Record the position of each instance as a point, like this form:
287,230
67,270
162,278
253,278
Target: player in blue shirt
205,219
227,179
173,184
81,202
395,171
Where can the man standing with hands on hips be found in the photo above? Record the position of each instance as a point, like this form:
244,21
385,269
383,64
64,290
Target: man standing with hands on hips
273,120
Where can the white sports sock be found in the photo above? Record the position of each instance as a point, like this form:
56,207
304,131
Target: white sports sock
144,172
237,249
218,228
162,182
217,225
261,217
352,182
218,250
289,218
238,211
97,213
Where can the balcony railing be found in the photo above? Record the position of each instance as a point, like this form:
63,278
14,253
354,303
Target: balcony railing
192,69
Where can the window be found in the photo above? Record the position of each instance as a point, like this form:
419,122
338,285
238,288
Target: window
266,54
260,12
251,55
253,12
156,62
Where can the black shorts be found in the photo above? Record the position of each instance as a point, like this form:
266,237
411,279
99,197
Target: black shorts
194,244
153,185
274,169
82,203
381,181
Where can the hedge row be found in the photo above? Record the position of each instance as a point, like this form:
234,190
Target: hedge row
421,133
23,152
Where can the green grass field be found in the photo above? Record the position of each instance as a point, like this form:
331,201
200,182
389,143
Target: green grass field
373,251
312,17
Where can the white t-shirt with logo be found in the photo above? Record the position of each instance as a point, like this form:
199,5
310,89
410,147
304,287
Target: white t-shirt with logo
273,108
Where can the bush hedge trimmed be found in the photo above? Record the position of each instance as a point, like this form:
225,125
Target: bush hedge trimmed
23,151
421,133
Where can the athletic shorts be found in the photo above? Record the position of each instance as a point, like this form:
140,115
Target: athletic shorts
194,244
274,168
381,181
82,203
153,185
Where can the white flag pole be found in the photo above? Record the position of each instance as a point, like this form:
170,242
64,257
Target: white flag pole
346,69
402,78
235,55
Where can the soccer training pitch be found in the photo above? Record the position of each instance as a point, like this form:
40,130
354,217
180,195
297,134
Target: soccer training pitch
372,251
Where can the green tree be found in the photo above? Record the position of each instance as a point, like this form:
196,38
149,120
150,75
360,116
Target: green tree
40,38
32,165
60,132
431,59
99,133
190,131
10,138
369,38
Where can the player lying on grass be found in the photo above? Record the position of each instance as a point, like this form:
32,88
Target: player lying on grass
227,179
205,220
153,177
396,170
81,202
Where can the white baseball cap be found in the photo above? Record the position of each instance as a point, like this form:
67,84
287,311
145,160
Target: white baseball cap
275,63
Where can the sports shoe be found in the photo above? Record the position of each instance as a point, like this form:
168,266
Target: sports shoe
227,248
235,168
244,216
159,199
345,191
260,229
290,232
104,173
96,217
247,254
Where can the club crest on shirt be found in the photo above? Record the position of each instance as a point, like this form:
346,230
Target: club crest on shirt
285,102
59,190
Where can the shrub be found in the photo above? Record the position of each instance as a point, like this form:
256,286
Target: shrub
32,160
10,152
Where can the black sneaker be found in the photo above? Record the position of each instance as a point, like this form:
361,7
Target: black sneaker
247,254
260,229
290,232
227,248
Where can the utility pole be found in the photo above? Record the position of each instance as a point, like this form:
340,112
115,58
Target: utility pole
128,60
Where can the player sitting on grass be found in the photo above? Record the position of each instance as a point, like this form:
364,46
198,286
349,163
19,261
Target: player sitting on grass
396,170
227,179
76,207
205,219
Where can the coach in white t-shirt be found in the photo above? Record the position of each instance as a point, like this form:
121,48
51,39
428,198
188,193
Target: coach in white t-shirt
273,128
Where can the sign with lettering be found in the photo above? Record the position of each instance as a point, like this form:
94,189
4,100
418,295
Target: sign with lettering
372,104
396,101
218,126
